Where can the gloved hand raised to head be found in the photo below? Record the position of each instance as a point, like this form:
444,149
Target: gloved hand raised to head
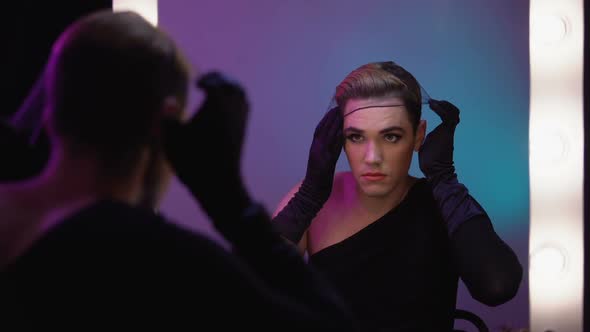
206,151
315,189
436,162
436,154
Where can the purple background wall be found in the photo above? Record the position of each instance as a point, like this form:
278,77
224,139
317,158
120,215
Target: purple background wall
291,54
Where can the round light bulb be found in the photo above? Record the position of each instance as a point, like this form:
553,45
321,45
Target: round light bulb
548,262
548,147
548,29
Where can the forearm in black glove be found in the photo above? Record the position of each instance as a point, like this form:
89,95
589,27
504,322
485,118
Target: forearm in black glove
294,219
488,266
206,151
436,162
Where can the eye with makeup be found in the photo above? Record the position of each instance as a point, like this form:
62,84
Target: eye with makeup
354,137
392,138
358,138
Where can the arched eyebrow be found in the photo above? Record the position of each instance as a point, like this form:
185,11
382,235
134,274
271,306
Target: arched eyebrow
392,128
353,130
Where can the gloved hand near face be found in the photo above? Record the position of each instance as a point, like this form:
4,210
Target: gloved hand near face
436,162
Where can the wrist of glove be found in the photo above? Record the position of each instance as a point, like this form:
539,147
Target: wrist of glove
455,204
441,171
252,222
223,203
294,219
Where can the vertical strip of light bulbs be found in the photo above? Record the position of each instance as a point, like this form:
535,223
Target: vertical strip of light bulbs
146,8
556,165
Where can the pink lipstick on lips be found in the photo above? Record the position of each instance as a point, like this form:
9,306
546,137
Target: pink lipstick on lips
373,176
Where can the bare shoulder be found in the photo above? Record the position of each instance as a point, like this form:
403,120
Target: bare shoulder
332,222
340,198
334,210
340,188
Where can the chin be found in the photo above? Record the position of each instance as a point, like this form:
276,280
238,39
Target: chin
376,191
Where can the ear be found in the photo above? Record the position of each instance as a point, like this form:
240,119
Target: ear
420,134
170,109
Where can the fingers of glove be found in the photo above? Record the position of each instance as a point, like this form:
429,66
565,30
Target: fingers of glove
452,112
333,122
335,130
448,112
213,80
320,129
437,108
225,102
222,90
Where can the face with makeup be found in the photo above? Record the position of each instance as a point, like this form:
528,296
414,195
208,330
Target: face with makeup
380,141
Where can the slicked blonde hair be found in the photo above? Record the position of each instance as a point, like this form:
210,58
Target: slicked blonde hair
382,79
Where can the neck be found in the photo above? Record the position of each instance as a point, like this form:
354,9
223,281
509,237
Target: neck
377,206
70,178
66,185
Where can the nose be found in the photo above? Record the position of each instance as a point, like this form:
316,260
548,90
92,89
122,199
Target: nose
373,154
